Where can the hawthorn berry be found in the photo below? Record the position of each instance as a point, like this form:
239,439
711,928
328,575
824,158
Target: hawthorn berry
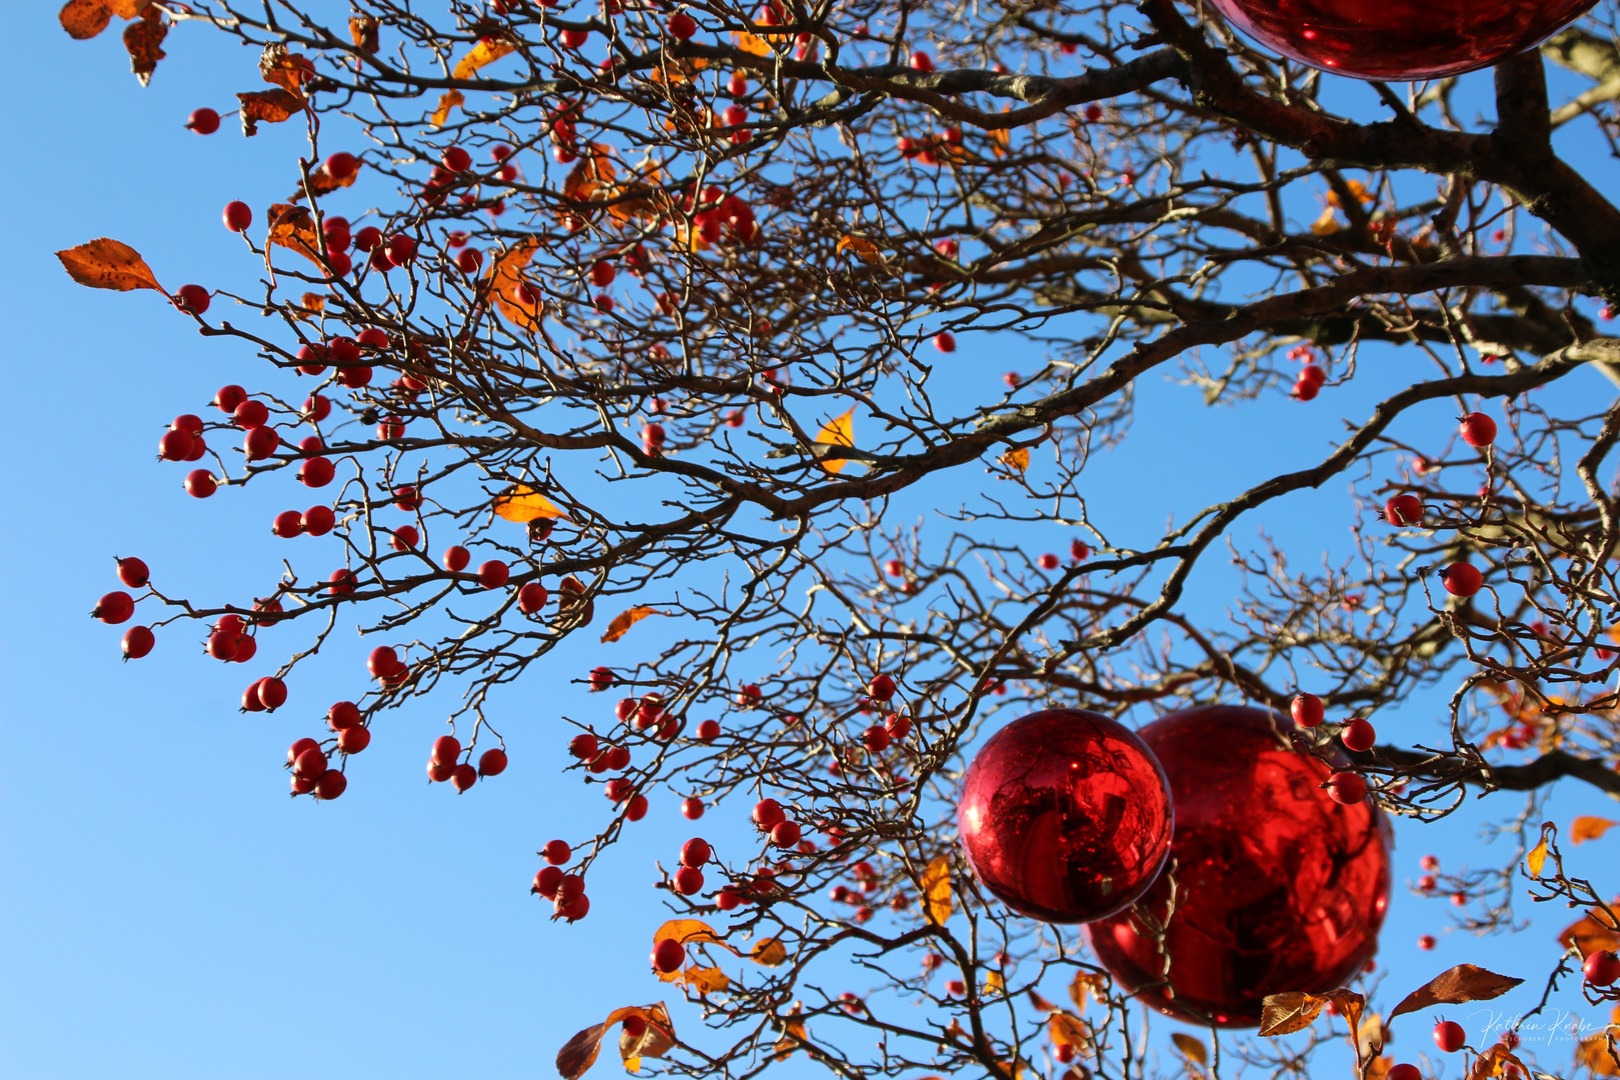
945,341
133,571
138,641
749,696
456,159
401,249
921,61
368,238
456,558
1404,510
310,763
583,746
688,880
546,882
955,988
602,274
250,414
204,121
894,568
287,524
222,645
1462,579
768,814
881,688
227,398
317,407
245,648
318,520
636,808
446,749
114,608
407,498
898,727
404,538
382,661
1347,788
696,852
192,299
668,955
1477,430
785,834
341,165
876,738
1358,735
272,693
331,784
352,740
1426,942
493,574
572,910
682,26
463,777
708,731
342,582
1429,862
574,39
342,715
1602,968
1307,710
438,773
557,852
1047,561
601,678
298,748
1403,1071
1449,1036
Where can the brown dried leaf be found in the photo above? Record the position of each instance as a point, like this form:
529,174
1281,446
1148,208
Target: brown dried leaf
1040,1002
1585,828
363,31
127,9
109,264
1465,982
286,69
1594,933
709,980
768,953
1600,1054
1067,1029
1496,1061
1191,1047
144,42
322,183
839,431
593,173
654,1042
572,603
447,101
936,883
624,620
293,228
314,302
268,107
486,52
505,276
579,1053
1371,1035
861,246
793,1025
84,19
523,504
1087,984
1284,1014
1350,1004
1016,460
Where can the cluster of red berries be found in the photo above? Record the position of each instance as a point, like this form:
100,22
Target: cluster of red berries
771,819
1346,788
311,774
688,878
117,607
1311,377
927,149
444,764
565,891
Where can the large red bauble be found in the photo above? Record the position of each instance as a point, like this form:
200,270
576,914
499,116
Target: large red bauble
1400,40
1278,887
1066,816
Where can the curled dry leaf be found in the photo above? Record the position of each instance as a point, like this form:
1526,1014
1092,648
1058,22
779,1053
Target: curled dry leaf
486,52
579,1053
793,1033
363,30
768,953
1191,1047
293,228
1585,828
286,69
523,504
448,100
1088,984
1371,1035
936,890
268,107
321,181
84,19
1465,982
710,980
143,41
1040,1003
574,606
1286,1013
624,620
1594,933
108,264
839,431
1016,460
861,246
504,283
1537,858
1498,1060
1068,1029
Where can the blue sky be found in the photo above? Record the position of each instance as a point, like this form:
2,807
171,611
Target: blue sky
168,911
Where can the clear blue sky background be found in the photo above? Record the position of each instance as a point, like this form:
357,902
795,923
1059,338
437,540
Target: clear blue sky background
165,909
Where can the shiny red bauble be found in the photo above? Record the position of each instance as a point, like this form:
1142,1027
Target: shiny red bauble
1277,886
1400,40
1065,815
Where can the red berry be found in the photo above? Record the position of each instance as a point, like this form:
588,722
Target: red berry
354,377
272,692
708,731
133,572
382,661
1478,430
227,398
1426,942
616,758
876,738
331,784
692,808
636,809
138,641
682,26
288,524
446,749
439,773
250,414
464,777
238,216
193,299
602,274
574,39
696,852
956,988
493,574
785,834
921,61
601,678
318,520
342,583
456,558
469,260
317,407
310,763
204,121
341,165
316,472
222,645
114,608
401,249
1403,1071
557,852
546,882
668,955
407,498
245,648
1404,510
1462,579
404,538
342,715
898,727
1347,788
299,747
352,740
688,880
175,446
881,688
300,786
945,341
583,746
492,762
1047,562
1358,735
749,696
1449,1036
1307,710
200,483
768,814
368,238
456,159
1602,968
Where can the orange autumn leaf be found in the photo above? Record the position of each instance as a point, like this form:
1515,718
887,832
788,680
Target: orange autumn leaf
768,953
839,431
793,1034
861,246
1595,932
507,287
936,890
108,264
363,32
705,980
687,932
285,69
1286,1013
624,620
1016,460
486,52
655,1040
447,101
1066,1029
1498,1060
84,19
592,173
750,43
268,107
1088,984
1001,138
1537,857
293,228
127,9
523,504
1600,1054
1463,983
1191,1048
143,41
321,181
1587,828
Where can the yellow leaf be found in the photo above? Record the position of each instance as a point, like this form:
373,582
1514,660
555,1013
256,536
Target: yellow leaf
705,980
1286,1013
1326,225
750,43
1538,854
523,504
1600,1055
1017,460
687,932
1001,138
1192,1048
486,52
770,953
1087,984
1370,1035
994,984
1067,1030
936,890
792,1025
624,620
108,264
861,246
447,101
1583,829
837,432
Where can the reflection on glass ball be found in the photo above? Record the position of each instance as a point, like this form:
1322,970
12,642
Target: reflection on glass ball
1277,886
1065,815
1400,40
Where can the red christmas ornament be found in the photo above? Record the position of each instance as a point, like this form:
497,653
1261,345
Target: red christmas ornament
1066,816
1400,40
1278,887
